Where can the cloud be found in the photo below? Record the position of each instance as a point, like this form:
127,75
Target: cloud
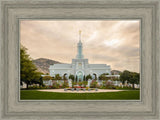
115,42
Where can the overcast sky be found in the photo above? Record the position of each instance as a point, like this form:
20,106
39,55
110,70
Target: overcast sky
112,42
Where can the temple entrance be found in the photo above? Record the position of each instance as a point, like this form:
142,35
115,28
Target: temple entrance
80,76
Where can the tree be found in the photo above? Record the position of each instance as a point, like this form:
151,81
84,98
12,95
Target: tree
115,78
58,77
131,77
37,78
105,74
84,78
134,78
102,77
47,78
71,76
125,75
64,77
88,77
95,76
76,78
41,81
28,71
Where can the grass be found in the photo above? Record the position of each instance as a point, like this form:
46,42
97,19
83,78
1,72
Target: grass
39,95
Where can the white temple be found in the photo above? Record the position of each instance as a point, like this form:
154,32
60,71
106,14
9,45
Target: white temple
79,66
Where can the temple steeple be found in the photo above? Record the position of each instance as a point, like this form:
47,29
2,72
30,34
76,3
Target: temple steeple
79,48
80,36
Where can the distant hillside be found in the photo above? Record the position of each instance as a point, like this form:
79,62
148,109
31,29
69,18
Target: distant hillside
115,72
43,64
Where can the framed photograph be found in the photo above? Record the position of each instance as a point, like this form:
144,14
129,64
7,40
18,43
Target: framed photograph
62,71
80,59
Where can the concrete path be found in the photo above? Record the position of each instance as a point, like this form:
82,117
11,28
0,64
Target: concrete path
80,91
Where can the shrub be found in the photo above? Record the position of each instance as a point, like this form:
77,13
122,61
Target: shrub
65,85
93,84
84,83
80,83
101,87
55,85
125,87
87,88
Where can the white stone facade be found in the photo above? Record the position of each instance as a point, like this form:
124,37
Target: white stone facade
79,67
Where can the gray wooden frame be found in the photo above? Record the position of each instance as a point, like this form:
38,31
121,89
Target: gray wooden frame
14,10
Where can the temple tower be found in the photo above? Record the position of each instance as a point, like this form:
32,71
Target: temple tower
79,48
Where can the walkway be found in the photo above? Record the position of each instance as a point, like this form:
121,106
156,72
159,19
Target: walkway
81,91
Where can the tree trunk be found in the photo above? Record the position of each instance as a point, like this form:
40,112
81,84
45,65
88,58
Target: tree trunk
133,85
27,85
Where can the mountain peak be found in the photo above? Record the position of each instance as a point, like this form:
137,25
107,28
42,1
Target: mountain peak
43,64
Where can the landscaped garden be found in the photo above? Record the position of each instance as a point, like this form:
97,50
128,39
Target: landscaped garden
93,84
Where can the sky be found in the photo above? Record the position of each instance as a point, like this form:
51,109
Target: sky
112,42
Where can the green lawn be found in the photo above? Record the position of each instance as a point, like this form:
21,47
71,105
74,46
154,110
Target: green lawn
38,95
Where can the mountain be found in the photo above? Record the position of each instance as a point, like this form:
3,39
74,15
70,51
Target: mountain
43,64
115,72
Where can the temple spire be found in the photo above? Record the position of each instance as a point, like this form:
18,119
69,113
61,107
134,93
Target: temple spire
79,35
79,48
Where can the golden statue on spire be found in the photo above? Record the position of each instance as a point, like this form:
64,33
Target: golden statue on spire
80,35
80,31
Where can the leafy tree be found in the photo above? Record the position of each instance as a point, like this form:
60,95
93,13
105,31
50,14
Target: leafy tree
47,78
71,77
37,78
131,77
88,77
134,78
125,75
28,71
41,81
58,77
102,77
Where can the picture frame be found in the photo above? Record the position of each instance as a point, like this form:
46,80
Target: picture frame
15,10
